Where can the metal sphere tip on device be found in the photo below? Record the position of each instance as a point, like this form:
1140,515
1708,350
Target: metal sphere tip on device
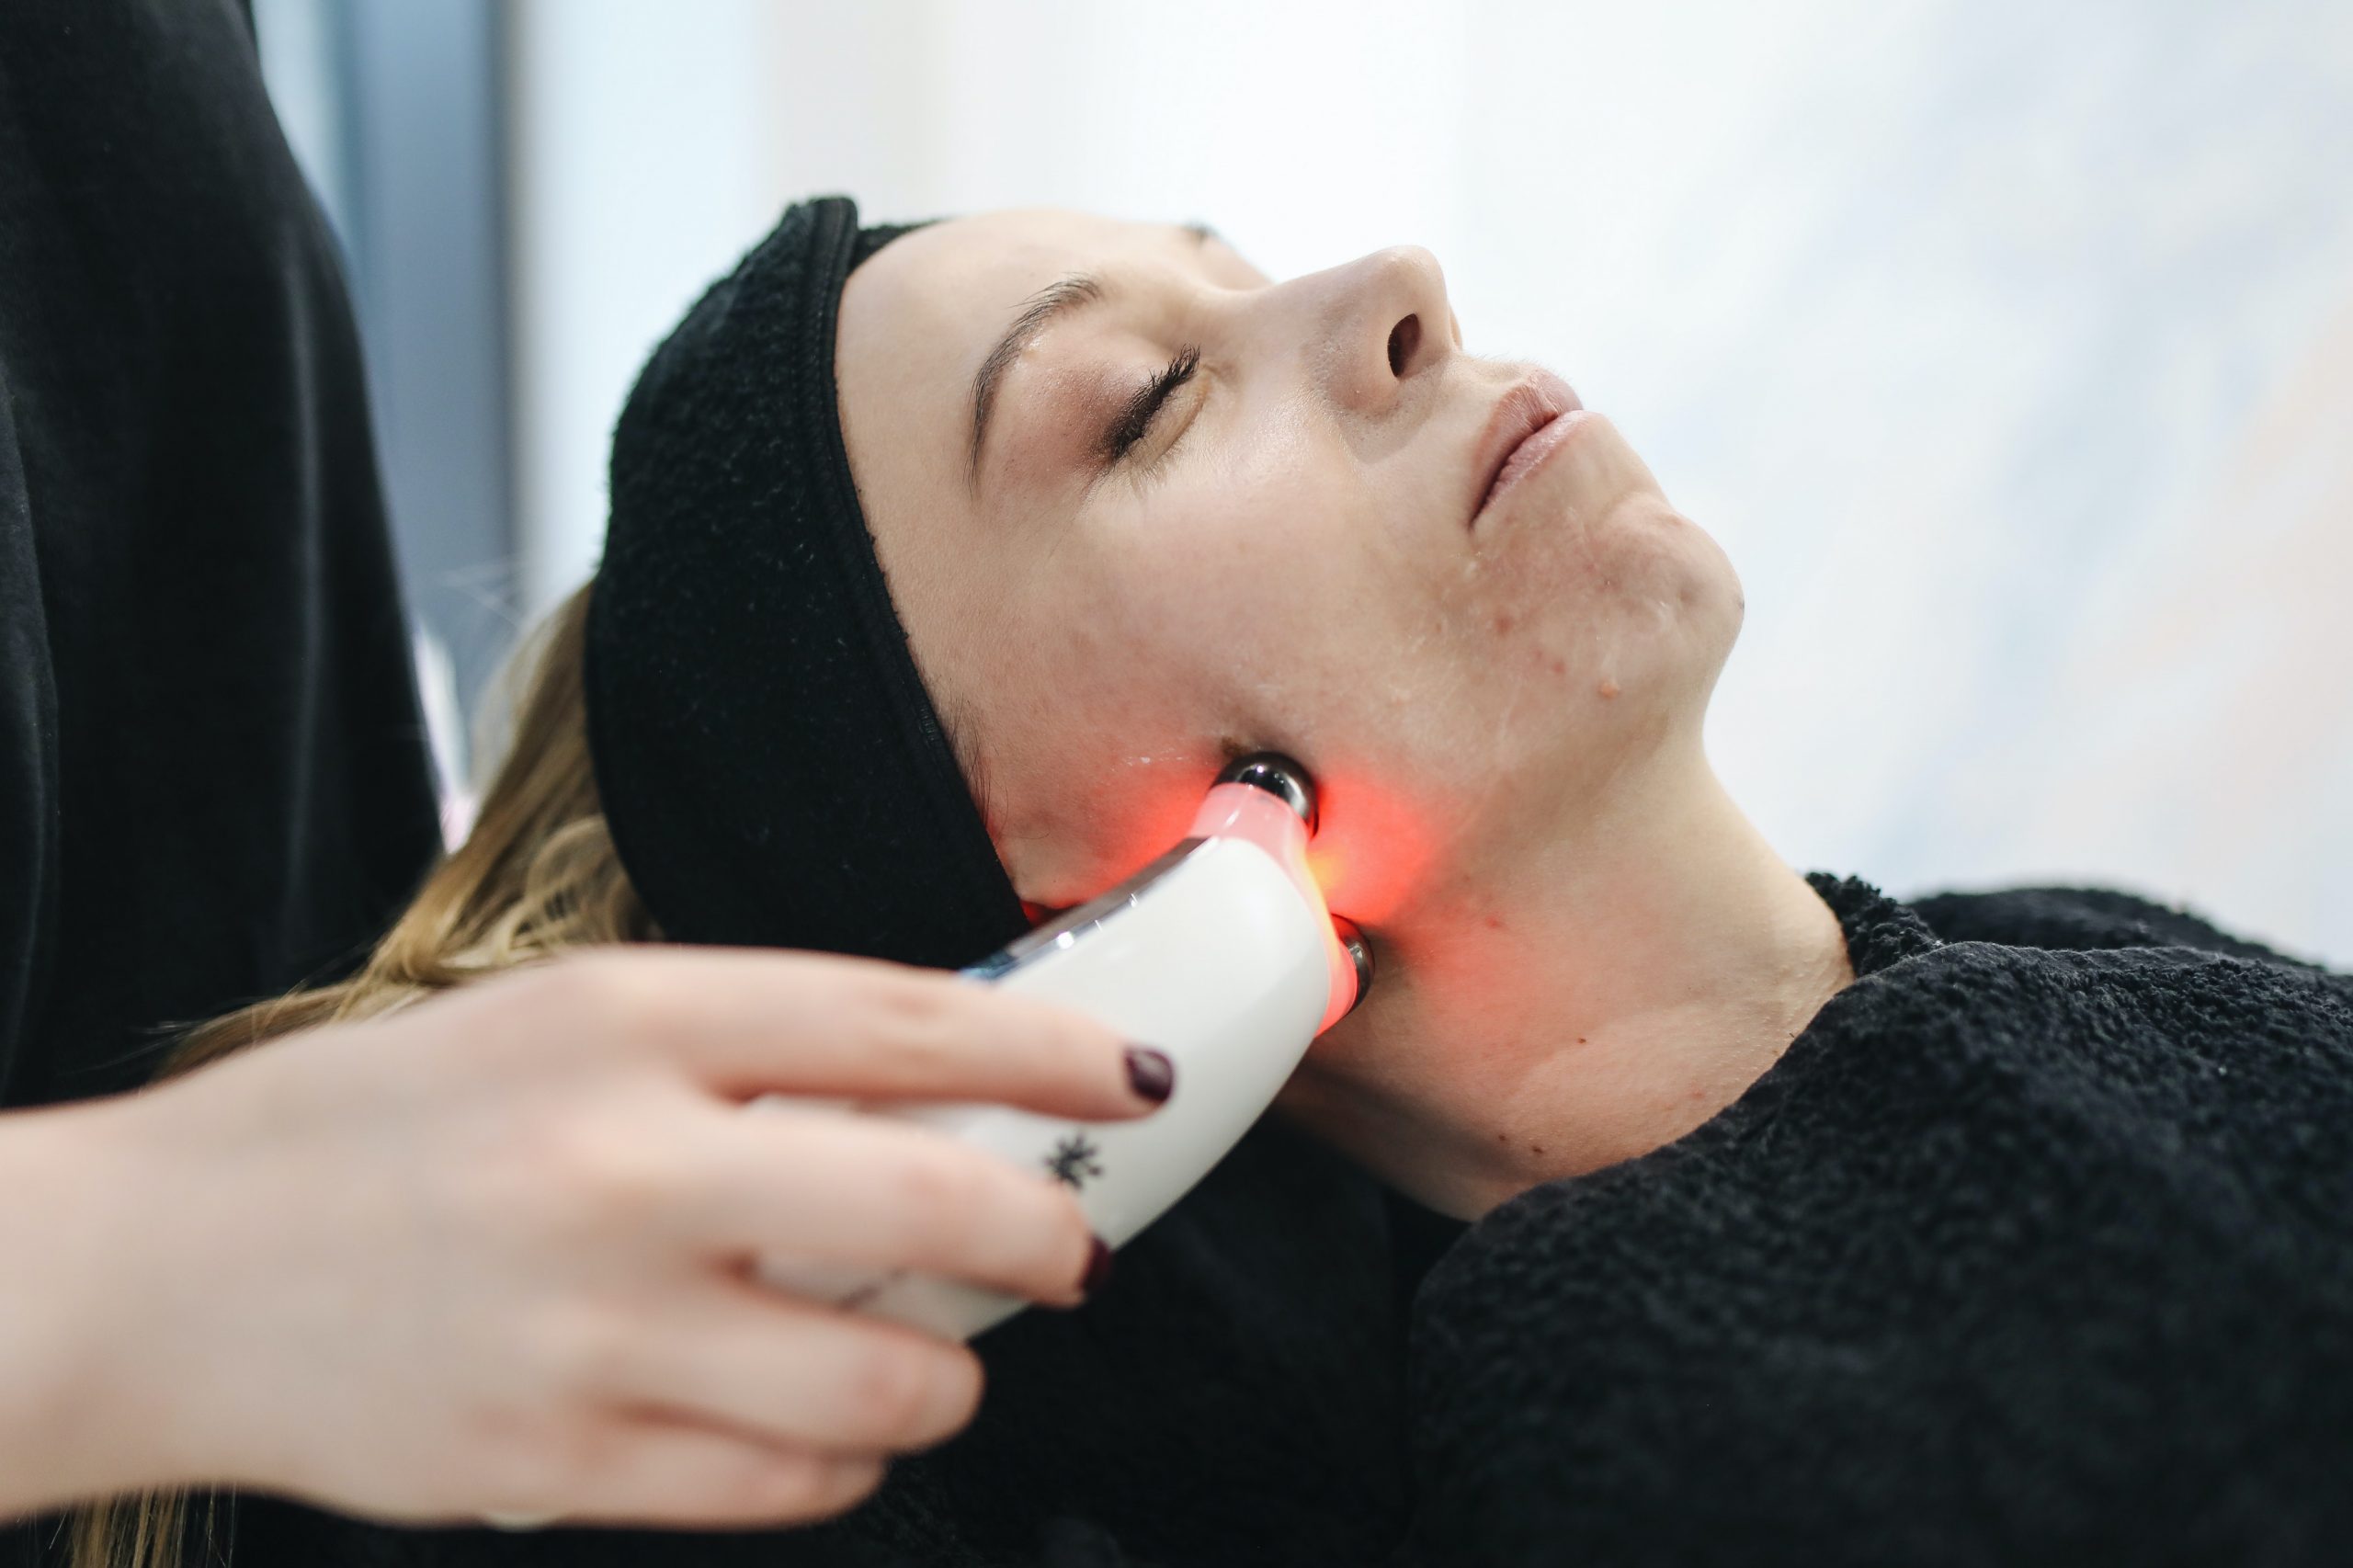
1279,777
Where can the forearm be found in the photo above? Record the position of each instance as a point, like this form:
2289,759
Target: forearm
69,1230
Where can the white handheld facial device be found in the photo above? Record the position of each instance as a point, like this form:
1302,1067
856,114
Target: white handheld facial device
1220,953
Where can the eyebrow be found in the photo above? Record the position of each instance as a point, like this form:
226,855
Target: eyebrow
1039,311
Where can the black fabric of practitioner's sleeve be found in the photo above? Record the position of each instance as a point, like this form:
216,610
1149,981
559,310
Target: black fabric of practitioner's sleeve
212,776
2036,1248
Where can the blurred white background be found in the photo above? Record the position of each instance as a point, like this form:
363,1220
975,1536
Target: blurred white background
2008,347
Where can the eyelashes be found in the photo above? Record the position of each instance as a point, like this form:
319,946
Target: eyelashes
1133,421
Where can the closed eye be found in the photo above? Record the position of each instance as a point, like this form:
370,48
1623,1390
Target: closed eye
1133,421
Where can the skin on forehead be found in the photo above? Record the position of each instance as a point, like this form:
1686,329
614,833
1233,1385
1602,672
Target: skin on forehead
949,289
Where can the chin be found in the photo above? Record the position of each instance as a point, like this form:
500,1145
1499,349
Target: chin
1633,647
1699,605
1709,588
1634,596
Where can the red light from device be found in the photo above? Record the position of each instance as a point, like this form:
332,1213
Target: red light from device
1373,850
1248,812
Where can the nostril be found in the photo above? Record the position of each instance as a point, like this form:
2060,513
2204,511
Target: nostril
1403,338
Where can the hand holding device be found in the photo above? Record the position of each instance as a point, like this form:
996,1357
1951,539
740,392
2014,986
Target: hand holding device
1222,954
485,1255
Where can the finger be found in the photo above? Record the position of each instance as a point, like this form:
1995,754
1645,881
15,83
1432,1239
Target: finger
795,1373
835,1188
663,1471
810,1024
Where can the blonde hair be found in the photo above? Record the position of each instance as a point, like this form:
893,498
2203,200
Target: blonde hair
536,876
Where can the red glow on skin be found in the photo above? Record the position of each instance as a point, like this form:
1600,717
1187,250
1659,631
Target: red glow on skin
1369,851
1154,822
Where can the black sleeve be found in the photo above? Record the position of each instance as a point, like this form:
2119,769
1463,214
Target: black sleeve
27,751
213,778
270,1534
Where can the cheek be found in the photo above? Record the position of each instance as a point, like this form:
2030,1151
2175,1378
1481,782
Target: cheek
1101,695
1195,617
1305,608
1223,575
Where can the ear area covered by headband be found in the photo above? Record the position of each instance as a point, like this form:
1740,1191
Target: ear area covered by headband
770,764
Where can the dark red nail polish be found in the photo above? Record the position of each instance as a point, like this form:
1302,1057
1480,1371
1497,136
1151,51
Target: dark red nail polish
1099,1270
1151,1073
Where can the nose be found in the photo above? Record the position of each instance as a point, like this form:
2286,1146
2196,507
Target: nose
1388,321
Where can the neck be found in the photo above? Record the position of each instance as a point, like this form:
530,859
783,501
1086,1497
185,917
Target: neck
1565,1007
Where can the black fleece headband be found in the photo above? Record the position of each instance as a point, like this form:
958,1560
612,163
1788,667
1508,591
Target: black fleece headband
770,764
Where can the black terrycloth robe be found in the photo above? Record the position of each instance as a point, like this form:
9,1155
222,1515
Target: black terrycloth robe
2036,1246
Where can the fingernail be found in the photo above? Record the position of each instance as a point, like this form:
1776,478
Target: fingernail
1151,1073
1099,1270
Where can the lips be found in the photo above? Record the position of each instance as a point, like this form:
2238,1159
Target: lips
1525,408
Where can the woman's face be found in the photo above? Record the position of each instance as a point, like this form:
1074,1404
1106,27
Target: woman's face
1197,513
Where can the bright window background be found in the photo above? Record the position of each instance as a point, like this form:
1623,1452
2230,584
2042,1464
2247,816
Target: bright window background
2006,347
